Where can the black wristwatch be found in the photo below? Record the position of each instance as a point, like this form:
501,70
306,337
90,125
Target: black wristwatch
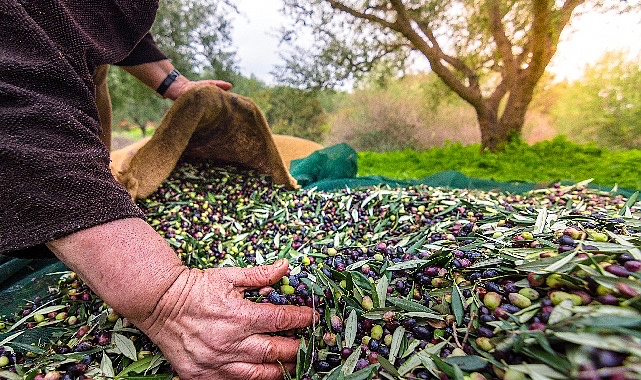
167,82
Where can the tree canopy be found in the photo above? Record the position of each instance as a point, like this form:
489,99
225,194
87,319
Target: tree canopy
491,53
605,103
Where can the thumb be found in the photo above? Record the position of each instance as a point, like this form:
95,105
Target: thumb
258,276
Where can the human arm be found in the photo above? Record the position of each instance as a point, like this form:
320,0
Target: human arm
199,319
152,74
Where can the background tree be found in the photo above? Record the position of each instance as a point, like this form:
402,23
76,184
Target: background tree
605,104
491,53
291,111
196,36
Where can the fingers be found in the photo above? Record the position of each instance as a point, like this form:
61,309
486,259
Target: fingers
260,348
226,86
223,85
256,277
250,371
268,318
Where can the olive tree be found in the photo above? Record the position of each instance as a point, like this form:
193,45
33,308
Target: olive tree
196,35
491,53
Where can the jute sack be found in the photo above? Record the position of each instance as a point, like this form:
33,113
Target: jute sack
204,124
294,148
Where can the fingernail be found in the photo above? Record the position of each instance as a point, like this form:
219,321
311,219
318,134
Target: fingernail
280,263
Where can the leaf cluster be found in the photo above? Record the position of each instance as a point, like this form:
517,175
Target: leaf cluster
606,102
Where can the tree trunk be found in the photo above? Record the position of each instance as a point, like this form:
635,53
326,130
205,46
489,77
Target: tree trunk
497,131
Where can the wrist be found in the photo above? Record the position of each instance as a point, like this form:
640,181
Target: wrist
125,262
167,82
177,88
174,300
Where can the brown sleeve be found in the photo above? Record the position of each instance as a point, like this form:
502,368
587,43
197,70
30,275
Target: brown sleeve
54,170
146,51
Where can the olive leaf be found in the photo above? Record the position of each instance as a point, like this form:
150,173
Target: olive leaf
156,361
351,329
616,343
457,304
359,280
381,290
452,371
538,371
629,203
9,338
397,340
125,346
417,245
406,305
561,312
467,362
137,367
422,357
410,264
548,356
350,362
106,366
303,358
363,374
41,310
10,375
389,367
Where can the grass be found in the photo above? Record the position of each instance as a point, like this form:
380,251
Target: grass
133,134
548,161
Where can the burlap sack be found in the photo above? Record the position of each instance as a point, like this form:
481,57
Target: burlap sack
294,148
204,124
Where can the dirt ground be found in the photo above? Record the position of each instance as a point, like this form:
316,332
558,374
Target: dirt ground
118,142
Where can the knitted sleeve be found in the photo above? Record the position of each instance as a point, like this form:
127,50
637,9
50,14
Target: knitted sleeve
146,51
54,170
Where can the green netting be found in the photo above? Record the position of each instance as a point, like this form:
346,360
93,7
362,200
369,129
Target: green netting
21,280
329,164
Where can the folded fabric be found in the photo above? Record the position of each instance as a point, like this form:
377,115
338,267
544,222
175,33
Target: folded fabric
204,124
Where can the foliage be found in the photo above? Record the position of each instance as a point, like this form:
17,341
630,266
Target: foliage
548,161
605,103
415,112
490,53
288,110
196,35
294,112
378,121
134,105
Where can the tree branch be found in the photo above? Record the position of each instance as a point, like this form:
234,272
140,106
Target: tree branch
436,56
503,44
358,14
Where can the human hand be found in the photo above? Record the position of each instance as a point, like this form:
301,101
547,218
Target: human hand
182,84
152,74
207,330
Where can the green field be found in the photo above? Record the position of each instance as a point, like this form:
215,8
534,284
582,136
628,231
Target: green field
544,162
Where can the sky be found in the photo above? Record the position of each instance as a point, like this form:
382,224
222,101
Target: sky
255,35
256,38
